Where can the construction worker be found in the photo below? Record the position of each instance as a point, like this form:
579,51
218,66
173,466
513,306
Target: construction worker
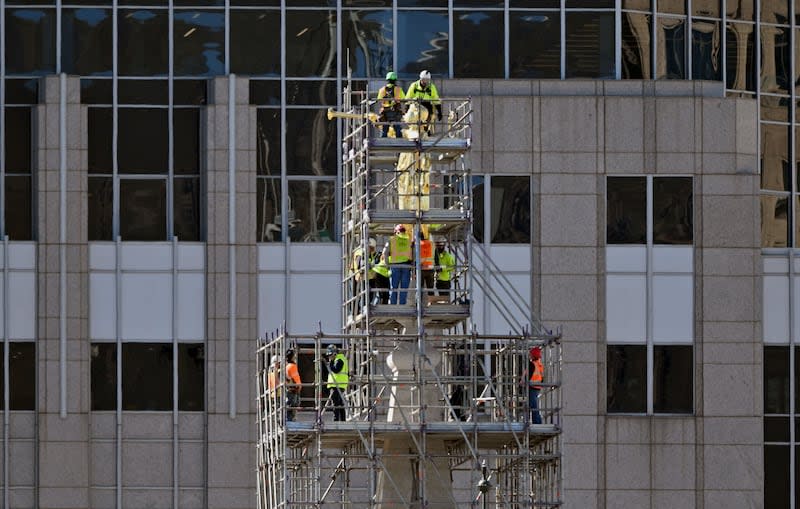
425,92
293,385
445,263
534,376
381,282
426,261
338,377
398,251
272,377
391,112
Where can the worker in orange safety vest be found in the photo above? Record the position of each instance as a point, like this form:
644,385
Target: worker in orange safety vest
536,376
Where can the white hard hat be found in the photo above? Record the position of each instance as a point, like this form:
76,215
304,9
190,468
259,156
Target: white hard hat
373,242
425,75
275,359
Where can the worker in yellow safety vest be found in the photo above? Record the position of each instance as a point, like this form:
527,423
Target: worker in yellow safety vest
398,251
381,282
425,92
338,378
390,97
445,263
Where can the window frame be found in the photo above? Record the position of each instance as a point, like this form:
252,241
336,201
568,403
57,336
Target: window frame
487,209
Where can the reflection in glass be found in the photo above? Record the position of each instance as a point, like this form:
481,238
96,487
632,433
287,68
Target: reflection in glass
741,57
706,49
100,122
30,41
268,203
673,379
143,209
316,92
422,43
478,44
19,207
740,9
590,45
186,145
191,377
673,216
189,92
626,379
266,92
511,210
96,91
103,376
146,371
707,8
626,210
143,91
186,208
635,46
199,43
775,167
312,211
368,37
101,208
311,41
775,59
86,41
426,3
143,140
18,146
637,5
22,91
776,476
477,207
310,143
478,3
143,44
534,57
775,11
671,6
254,50
671,48
268,136
775,108
775,222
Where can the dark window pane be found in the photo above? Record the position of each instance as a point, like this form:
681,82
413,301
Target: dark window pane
30,41
478,3
555,4
673,212
310,143
422,3
775,60
268,137
776,429
101,208
191,377
671,6
673,379
636,46
318,92
671,59
265,92
311,40
104,376
18,146
143,140
21,376
189,92
269,210
590,45
776,476
313,210
626,214
194,3
776,380
422,43
257,3
186,150
511,208
740,9
22,91
775,167
797,382
141,2
96,91
534,57
478,44
627,379
706,50
199,43
86,41
100,128
143,92
591,4
186,202
775,223
741,56
311,3
368,37
255,42
147,376
477,208
143,43
775,11
18,207
143,209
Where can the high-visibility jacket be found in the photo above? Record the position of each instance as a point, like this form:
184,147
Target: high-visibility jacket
447,264
272,381
426,254
293,377
429,93
390,96
379,265
537,374
341,378
399,248
358,264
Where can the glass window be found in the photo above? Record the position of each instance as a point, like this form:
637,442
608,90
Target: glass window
775,11
100,128
422,43
511,210
775,60
22,91
265,92
30,41
186,208
191,377
635,46
253,42
776,380
86,44
740,56
637,5
18,148
706,50
140,129
589,40
311,40
673,387
478,44
672,210
775,167
422,3
143,209
189,92
317,92
269,210
367,36
101,208
268,136
626,216
147,376
776,476
775,222
312,211
708,8
143,92
96,91
671,6
626,380
591,4
310,143
186,133
104,376
740,9
776,429
671,58
534,57
21,376
143,43
478,210
199,43
19,207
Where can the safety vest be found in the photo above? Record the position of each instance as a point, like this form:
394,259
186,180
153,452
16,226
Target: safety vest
390,91
273,382
357,266
399,248
537,375
341,378
447,263
415,91
426,254
293,377
379,266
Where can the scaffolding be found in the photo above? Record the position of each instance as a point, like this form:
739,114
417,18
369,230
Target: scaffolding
436,416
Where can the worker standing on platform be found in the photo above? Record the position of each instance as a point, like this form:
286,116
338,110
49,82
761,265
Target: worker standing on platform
362,263
534,377
398,250
425,92
293,385
391,112
338,378
381,283
445,263
273,381
426,261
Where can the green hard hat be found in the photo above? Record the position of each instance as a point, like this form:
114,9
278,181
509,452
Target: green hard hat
391,76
